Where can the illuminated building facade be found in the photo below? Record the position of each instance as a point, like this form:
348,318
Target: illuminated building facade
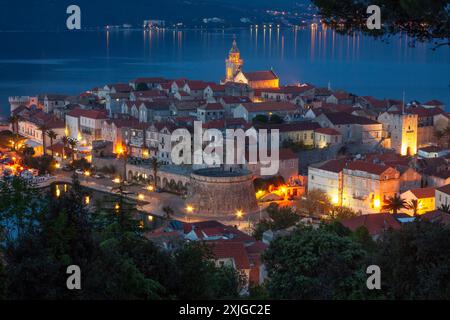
360,185
425,198
401,129
266,79
366,186
234,63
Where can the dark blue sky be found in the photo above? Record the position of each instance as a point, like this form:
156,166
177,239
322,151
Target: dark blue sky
50,14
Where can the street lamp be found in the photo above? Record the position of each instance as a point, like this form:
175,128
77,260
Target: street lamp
116,180
239,215
189,209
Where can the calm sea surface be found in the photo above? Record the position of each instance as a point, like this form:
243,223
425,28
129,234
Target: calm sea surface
71,62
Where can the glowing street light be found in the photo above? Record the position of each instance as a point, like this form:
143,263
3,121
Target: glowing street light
87,173
150,188
239,215
141,196
116,180
189,209
377,203
335,199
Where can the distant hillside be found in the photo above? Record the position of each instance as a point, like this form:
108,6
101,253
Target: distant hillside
50,14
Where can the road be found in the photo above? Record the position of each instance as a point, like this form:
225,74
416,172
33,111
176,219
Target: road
153,202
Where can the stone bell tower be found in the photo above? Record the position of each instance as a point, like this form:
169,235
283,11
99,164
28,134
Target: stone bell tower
233,63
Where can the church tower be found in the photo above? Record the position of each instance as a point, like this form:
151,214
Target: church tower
233,63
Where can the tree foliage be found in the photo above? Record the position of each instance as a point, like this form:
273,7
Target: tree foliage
422,20
415,261
45,235
315,264
315,203
278,218
340,213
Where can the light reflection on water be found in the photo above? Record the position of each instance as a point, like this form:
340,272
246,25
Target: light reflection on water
73,62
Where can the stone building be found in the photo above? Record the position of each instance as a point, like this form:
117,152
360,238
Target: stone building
214,192
402,130
360,185
256,80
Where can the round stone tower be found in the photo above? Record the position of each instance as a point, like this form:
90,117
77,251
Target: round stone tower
214,192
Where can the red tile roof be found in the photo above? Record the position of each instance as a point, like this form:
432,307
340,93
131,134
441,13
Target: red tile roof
123,123
376,103
433,102
287,154
235,100
375,223
197,85
340,95
445,189
230,123
340,118
368,167
231,250
213,106
328,131
269,106
425,112
332,107
260,75
216,87
91,114
335,165
290,127
422,193
150,94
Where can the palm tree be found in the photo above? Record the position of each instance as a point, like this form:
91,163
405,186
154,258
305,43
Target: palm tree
65,142
445,208
413,205
52,135
155,164
168,212
393,204
43,129
73,143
